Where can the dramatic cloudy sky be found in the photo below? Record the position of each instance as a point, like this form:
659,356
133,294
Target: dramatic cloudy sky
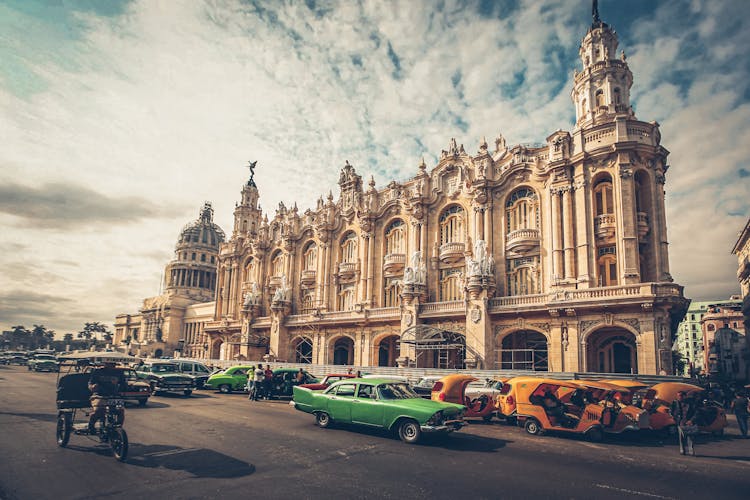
119,119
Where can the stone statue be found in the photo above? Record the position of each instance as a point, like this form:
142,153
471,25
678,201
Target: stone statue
281,293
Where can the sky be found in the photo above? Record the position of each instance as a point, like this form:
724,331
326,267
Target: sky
118,119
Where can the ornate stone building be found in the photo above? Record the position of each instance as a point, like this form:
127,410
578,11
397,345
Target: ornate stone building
548,257
166,322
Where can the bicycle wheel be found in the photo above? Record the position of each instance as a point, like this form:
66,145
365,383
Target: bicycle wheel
118,441
64,426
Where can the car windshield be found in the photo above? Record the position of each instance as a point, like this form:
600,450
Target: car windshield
396,391
45,357
163,368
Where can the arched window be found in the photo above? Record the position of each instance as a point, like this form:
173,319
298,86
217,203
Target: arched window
603,197
452,225
600,98
309,256
521,210
584,107
277,264
249,267
607,267
523,276
394,238
451,284
392,292
308,302
346,297
618,98
349,247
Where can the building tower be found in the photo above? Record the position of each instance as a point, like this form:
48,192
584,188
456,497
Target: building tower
192,273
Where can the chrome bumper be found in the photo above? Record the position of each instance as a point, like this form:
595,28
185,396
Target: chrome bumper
450,426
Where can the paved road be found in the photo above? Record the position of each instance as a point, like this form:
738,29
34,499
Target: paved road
223,446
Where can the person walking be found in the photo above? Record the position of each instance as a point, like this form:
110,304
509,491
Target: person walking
740,407
267,379
251,383
258,377
683,411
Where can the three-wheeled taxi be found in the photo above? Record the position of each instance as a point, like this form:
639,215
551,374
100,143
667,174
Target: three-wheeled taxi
539,409
452,389
618,414
74,400
710,416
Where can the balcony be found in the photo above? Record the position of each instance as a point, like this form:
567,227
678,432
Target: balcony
347,269
604,226
522,240
393,264
643,227
308,277
275,281
452,252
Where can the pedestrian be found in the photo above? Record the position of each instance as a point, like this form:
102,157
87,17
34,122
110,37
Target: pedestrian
250,382
301,377
350,370
267,378
683,412
258,377
740,406
359,374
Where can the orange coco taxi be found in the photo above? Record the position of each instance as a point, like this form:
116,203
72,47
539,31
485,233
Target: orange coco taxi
618,413
710,416
452,389
539,409
505,401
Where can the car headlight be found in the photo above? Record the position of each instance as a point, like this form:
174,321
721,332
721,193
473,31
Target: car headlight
436,419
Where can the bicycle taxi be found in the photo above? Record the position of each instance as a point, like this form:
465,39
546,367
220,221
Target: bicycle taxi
75,411
452,389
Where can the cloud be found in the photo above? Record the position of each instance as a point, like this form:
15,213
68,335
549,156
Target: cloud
118,127
69,206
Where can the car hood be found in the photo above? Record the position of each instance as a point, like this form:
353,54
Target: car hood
425,405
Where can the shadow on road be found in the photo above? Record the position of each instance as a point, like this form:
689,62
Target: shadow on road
200,462
133,405
44,417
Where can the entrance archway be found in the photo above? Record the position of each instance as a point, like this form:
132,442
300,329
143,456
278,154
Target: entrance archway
435,347
158,353
343,351
611,350
388,351
523,350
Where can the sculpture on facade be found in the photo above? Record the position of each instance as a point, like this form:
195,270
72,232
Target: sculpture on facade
253,296
282,293
416,274
482,263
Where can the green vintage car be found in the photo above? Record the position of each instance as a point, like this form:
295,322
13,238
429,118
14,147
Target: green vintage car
233,378
43,363
379,403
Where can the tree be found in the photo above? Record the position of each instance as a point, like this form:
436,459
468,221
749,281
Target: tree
68,337
90,331
678,363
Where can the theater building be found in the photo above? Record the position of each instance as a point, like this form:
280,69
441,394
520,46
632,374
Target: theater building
551,257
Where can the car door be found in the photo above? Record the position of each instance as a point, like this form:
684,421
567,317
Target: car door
239,378
366,409
340,403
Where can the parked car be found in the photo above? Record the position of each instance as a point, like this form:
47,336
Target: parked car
710,416
43,363
327,380
17,358
233,378
284,379
490,388
379,403
164,376
506,399
424,385
198,371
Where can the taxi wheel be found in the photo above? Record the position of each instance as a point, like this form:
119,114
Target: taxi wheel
323,420
533,427
409,431
64,426
595,435
488,418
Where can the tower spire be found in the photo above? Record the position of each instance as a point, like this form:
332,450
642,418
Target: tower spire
595,12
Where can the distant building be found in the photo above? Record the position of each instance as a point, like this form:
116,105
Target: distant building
689,341
165,323
742,251
725,349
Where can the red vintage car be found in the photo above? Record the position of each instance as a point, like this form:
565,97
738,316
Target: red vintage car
328,380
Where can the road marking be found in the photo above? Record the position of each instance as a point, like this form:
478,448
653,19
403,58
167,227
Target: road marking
632,492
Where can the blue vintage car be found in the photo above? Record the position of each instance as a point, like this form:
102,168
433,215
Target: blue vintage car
380,403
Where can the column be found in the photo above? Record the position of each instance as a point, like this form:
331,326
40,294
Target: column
370,269
557,253
626,222
660,239
570,259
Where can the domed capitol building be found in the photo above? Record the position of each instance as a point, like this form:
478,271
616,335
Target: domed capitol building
546,258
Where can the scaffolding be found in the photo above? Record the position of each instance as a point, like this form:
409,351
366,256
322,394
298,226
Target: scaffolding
449,345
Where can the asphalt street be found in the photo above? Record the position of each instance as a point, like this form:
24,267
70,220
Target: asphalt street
222,446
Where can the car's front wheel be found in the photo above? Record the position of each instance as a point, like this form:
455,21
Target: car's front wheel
409,431
225,389
323,420
187,392
142,402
